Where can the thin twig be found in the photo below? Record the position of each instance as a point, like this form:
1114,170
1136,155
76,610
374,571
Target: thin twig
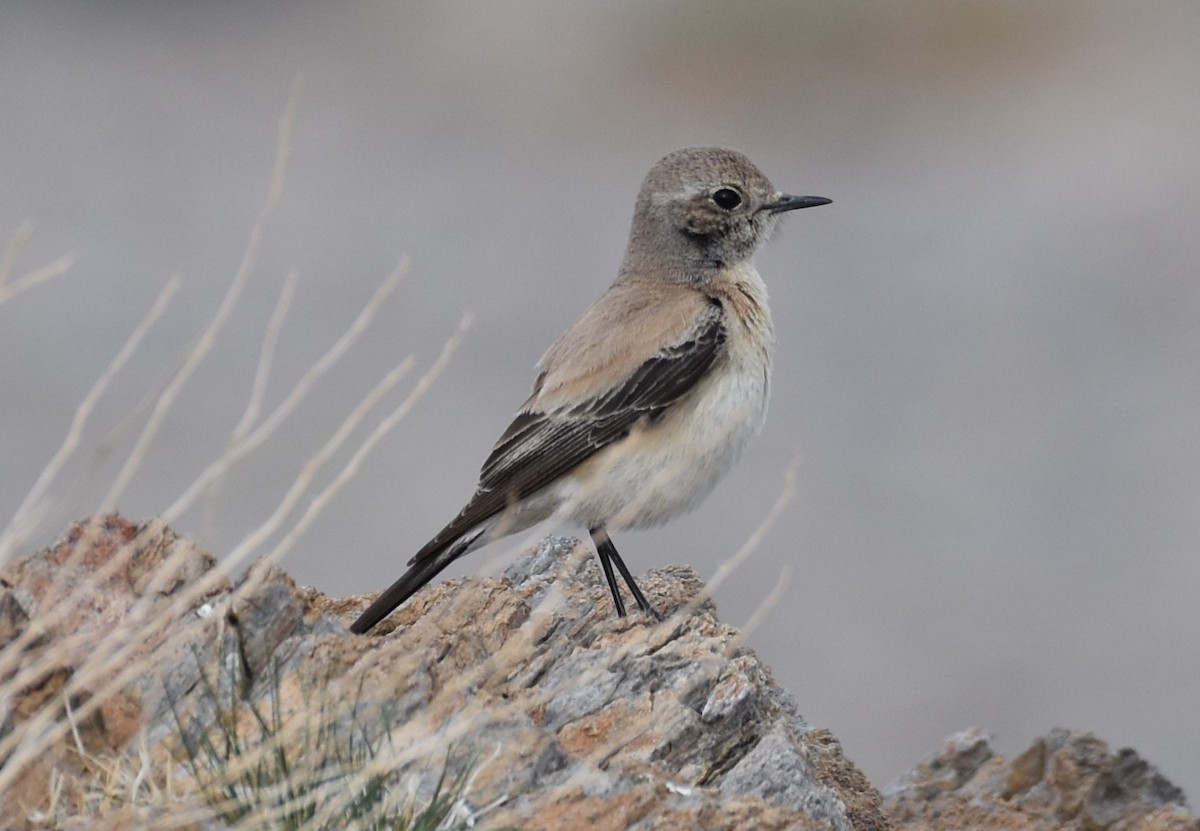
315,462
14,250
21,525
382,429
217,324
768,603
266,357
293,399
755,539
258,390
35,278
104,673
12,255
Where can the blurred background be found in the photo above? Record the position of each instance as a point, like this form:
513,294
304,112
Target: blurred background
988,370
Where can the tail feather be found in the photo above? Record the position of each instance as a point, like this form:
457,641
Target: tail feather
426,566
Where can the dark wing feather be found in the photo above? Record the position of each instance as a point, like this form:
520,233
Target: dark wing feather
538,448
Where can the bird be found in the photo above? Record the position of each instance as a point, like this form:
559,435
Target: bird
646,401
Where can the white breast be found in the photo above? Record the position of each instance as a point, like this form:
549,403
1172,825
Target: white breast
665,469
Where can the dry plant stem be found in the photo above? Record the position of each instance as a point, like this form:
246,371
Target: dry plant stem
258,390
142,775
261,433
8,264
119,560
14,250
250,543
91,676
42,725
45,727
382,429
23,524
209,337
86,679
266,357
424,743
768,603
255,538
35,278
193,359
755,539
120,786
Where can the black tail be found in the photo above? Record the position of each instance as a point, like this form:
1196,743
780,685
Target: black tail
411,582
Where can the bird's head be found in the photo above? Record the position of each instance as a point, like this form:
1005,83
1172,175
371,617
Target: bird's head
701,209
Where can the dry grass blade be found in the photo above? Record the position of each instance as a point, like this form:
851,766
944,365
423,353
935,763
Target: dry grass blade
258,769
14,250
97,674
768,603
755,539
266,357
103,674
382,429
23,523
207,340
255,538
258,389
35,278
45,730
10,288
293,399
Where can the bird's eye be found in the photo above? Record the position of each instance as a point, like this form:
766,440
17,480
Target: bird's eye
727,198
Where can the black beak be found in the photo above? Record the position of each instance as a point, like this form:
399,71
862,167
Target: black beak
795,203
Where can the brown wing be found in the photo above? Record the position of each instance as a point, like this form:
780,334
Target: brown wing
538,447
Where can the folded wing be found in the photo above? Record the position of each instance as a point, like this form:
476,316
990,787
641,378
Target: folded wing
543,444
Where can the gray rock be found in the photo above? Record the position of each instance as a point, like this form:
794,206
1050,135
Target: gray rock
524,693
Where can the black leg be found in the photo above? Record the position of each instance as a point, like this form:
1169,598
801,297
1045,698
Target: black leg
604,550
608,552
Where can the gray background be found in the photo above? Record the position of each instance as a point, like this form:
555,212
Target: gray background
988,352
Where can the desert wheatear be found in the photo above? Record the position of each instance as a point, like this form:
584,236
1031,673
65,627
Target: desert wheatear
648,399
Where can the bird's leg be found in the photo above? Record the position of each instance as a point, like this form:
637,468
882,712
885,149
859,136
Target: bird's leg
607,552
604,550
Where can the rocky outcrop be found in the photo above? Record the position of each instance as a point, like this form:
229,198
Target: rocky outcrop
545,709
1065,780
139,687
